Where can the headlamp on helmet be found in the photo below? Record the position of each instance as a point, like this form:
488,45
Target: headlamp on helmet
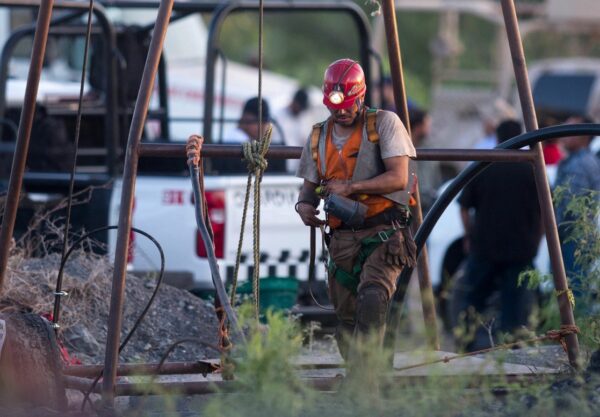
336,96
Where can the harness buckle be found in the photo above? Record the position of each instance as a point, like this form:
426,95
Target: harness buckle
383,236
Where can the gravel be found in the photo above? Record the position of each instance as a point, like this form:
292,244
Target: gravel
174,315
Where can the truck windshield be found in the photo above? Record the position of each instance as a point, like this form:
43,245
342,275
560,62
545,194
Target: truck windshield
563,93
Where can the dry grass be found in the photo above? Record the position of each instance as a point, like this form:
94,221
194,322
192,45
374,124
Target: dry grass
31,282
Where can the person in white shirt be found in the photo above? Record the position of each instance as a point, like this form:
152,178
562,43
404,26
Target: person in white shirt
295,121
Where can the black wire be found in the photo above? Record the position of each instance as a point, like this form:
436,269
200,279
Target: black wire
148,304
312,266
59,278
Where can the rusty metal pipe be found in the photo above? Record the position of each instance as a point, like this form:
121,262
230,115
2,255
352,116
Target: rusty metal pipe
293,152
128,192
169,368
328,383
543,188
126,369
22,146
395,58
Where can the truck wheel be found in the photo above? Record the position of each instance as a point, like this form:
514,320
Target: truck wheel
30,364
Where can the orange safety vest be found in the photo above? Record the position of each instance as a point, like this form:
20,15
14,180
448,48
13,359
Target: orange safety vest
340,166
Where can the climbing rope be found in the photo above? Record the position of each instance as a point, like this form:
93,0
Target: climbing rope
557,335
58,293
254,153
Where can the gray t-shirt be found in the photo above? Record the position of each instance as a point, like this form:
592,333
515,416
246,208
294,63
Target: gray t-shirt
393,141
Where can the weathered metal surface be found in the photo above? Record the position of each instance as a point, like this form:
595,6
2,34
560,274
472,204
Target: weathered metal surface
543,187
400,100
24,133
128,192
328,372
172,150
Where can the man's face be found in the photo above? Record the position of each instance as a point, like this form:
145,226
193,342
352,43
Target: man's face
574,143
346,117
249,124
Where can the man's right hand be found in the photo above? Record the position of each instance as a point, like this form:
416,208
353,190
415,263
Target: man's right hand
308,214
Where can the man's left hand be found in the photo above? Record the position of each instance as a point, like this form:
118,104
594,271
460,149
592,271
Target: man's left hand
342,188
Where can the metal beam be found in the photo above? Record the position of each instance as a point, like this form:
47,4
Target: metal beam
126,207
543,187
24,134
173,150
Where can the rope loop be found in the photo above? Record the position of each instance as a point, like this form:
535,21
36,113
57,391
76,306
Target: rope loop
193,149
255,151
564,331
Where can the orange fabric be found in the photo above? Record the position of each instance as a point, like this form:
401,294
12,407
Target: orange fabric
340,166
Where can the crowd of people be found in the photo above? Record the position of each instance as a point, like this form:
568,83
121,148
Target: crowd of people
501,220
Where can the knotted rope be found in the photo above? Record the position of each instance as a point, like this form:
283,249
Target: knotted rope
254,153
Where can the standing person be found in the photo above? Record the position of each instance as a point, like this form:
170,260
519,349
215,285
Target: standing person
248,129
248,123
579,175
361,154
429,173
294,122
491,116
501,242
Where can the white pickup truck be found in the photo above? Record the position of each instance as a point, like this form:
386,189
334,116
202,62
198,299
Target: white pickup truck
164,208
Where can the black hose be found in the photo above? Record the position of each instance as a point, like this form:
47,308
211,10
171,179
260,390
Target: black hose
212,259
148,304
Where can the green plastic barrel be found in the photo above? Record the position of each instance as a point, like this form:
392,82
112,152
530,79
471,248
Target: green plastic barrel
278,293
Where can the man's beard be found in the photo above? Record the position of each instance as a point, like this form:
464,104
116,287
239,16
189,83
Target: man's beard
347,120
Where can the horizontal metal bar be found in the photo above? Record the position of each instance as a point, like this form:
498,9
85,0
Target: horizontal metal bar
168,368
170,150
489,155
173,150
330,383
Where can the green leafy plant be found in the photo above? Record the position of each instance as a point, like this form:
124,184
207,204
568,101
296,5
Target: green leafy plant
582,228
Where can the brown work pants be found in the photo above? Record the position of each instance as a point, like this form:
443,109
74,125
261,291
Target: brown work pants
381,268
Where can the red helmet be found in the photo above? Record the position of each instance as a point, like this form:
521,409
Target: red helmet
343,83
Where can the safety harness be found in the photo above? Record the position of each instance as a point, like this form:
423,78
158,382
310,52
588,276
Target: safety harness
350,280
372,134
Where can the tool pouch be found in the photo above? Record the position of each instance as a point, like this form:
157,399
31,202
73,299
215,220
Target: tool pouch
400,249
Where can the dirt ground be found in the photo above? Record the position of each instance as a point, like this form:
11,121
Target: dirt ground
174,315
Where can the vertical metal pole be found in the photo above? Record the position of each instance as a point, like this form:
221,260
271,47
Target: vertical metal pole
543,189
24,133
129,175
393,45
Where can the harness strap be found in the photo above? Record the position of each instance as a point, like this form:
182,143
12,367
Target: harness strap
350,280
314,140
372,133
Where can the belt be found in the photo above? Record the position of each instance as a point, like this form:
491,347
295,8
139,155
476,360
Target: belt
399,214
